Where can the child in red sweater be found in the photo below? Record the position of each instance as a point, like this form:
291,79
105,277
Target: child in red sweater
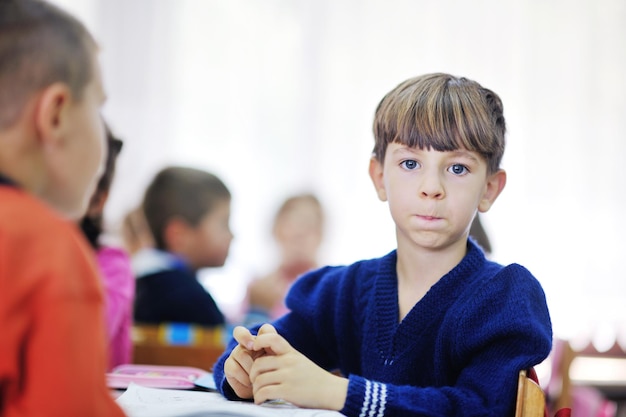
52,349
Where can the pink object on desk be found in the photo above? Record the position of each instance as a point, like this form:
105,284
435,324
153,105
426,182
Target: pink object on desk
153,376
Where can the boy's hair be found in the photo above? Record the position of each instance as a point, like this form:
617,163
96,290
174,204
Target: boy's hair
182,192
40,44
442,112
92,225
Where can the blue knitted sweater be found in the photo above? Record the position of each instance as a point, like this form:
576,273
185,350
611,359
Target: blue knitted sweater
457,352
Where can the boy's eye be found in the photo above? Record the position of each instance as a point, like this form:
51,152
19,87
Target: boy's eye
409,164
458,169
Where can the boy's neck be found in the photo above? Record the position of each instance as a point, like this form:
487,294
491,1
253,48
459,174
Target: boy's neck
425,267
418,270
19,154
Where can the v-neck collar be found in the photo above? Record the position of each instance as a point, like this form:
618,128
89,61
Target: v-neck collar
394,336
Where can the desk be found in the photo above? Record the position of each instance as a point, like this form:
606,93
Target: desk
139,401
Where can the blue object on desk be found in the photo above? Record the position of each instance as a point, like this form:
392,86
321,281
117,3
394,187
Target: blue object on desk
206,381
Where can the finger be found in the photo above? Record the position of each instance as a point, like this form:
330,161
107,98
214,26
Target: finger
272,342
266,393
269,387
234,370
238,379
243,337
267,329
241,391
243,357
263,365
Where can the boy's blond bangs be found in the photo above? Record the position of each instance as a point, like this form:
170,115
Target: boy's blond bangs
444,113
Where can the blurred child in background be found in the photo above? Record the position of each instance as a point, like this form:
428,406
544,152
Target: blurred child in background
114,264
188,213
298,232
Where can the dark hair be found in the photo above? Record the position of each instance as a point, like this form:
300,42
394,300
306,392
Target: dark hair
40,44
92,223
442,112
183,192
478,232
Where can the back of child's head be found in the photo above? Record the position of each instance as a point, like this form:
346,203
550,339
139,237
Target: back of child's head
92,223
298,200
179,192
442,112
40,45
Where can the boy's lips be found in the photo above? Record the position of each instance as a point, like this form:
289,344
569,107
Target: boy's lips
428,217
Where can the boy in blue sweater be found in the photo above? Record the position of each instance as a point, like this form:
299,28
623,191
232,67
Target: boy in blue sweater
432,328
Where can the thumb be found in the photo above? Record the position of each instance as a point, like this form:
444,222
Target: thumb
271,342
267,329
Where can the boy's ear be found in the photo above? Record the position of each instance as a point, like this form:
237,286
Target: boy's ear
51,110
376,174
493,188
175,234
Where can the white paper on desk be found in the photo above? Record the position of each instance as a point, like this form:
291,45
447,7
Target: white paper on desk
138,401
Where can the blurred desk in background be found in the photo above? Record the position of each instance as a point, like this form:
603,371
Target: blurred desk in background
607,373
177,344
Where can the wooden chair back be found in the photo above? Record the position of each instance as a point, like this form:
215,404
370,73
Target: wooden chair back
177,344
531,401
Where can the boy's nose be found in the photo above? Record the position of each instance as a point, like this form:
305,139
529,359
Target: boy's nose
432,194
431,187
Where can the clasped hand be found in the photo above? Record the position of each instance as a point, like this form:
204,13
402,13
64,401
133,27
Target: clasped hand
266,367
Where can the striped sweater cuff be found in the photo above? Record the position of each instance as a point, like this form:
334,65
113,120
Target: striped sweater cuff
365,398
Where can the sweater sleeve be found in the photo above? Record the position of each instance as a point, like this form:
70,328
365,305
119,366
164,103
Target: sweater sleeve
302,321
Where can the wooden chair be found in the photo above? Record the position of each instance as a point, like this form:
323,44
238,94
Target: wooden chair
177,344
531,401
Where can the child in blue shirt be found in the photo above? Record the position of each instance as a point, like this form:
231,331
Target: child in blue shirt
433,328
188,213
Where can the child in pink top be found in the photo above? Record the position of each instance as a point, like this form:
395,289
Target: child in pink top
114,264
119,288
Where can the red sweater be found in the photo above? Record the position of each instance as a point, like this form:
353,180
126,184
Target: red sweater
52,348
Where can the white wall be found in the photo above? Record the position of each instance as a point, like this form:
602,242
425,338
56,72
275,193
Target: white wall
278,95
